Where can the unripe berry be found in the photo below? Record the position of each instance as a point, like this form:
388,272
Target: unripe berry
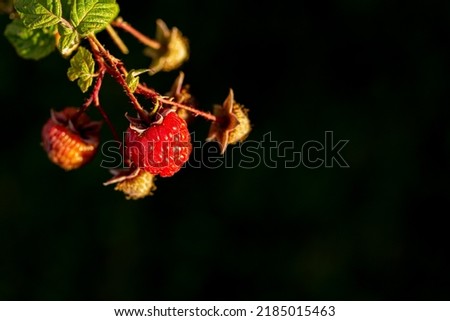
70,140
137,187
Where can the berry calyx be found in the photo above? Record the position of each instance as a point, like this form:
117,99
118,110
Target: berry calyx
134,183
173,50
161,148
70,140
232,124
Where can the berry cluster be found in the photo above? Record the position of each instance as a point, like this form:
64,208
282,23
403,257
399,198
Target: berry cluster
157,141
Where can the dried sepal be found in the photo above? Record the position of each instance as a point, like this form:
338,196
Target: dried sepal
232,124
173,51
134,183
180,93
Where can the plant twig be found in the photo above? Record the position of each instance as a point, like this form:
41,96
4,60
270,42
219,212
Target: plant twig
94,96
100,108
117,40
143,90
119,23
118,71
113,63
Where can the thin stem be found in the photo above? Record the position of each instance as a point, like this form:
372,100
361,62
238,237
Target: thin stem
108,122
147,92
93,97
117,40
196,112
143,90
119,23
98,85
96,99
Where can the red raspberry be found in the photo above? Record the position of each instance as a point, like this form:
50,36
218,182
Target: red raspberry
70,144
162,148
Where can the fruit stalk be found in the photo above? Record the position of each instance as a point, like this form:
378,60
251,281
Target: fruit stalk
144,90
119,23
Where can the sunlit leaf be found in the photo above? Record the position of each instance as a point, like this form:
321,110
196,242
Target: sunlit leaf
39,13
69,40
30,44
91,16
82,67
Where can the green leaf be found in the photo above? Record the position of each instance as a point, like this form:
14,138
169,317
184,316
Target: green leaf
30,44
66,9
39,13
69,41
91,16
82,67
133,78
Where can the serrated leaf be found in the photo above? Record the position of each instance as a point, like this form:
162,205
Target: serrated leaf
133,78
30,44
82,67
69,40
91,16
39,13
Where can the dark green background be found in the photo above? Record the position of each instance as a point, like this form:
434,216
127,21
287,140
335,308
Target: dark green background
374,72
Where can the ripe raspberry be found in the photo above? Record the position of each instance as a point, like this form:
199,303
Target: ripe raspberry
70,144
162,148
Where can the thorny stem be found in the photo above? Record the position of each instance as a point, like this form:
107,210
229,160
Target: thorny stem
94,98
143,90
101,110
110,64
119,23
150,93
196,112
113,69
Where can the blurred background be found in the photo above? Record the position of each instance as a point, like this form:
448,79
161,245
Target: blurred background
374,72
